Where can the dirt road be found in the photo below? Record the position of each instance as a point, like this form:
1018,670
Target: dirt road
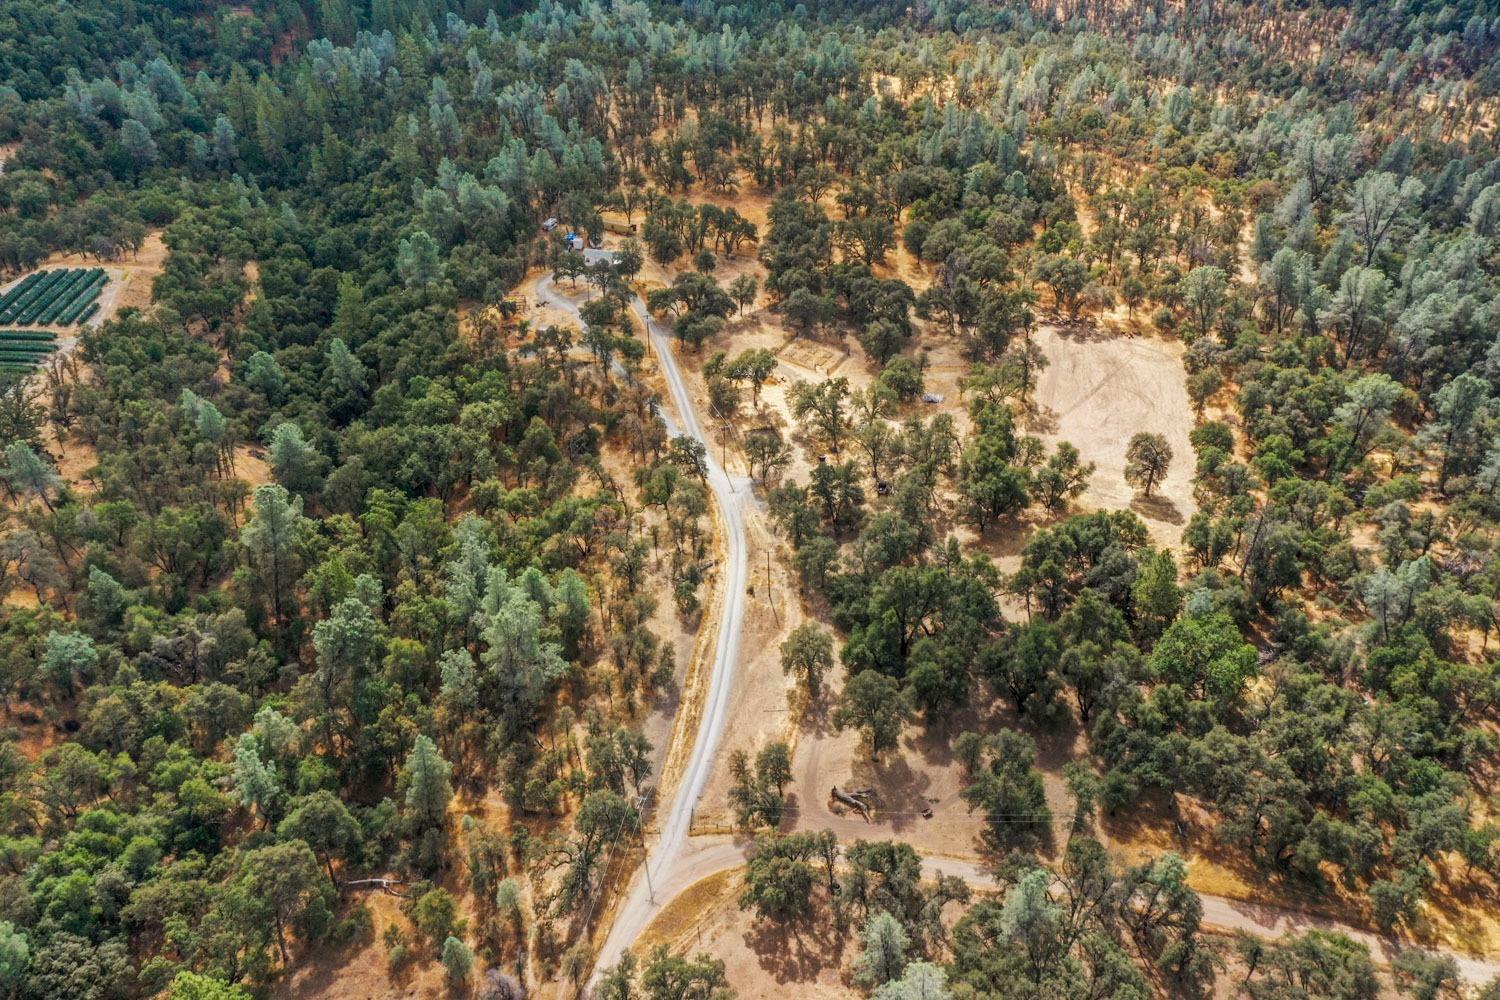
670,860
706,856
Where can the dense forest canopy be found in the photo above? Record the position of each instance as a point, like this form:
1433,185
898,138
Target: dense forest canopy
362,578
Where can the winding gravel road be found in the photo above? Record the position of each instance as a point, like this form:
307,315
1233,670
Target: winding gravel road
677,860
669,858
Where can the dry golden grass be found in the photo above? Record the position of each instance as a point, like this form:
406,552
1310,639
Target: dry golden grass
250,465
679,921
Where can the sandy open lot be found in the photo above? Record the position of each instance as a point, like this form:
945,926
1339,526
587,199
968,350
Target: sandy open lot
922,774
1100,389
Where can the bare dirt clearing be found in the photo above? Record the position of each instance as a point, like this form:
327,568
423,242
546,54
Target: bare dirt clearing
923,774
1098,390
361,969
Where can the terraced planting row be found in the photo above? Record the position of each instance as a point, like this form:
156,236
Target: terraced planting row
23,350
60,297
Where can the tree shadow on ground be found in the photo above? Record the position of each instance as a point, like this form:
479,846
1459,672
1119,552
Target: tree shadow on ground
796,952
1157,508
900,791
1079,329
1040,419
1005,538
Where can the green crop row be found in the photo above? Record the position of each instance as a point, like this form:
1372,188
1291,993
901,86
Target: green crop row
15,294
30,291
59,297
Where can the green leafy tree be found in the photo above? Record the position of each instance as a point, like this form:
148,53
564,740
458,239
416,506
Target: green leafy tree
668,977
1147,458
192,986
69,659
823,408
1205,654
1316,963
1005,786
1156,594
417,260
783,872
425,792
604,818
1064,477
297,465
920,981
743,290
755,366
15,956
287,884
29,475
874,704
1204,290
324,823
458,960
807,654
272,539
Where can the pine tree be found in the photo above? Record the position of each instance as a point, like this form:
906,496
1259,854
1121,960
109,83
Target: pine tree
26,473
256,784
458,960
884,955
296,464
417,260
425,780
271,539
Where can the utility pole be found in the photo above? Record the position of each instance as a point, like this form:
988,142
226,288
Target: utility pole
770,594
723,446
640,805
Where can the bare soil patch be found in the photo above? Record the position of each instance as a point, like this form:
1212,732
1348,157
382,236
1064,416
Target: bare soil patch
923,774
1097,391
361,970
28,725
75,460
250,464
815,358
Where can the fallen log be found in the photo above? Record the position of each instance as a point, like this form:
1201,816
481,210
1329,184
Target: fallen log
852,801
385,885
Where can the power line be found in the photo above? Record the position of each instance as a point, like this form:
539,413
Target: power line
996,818
609,856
